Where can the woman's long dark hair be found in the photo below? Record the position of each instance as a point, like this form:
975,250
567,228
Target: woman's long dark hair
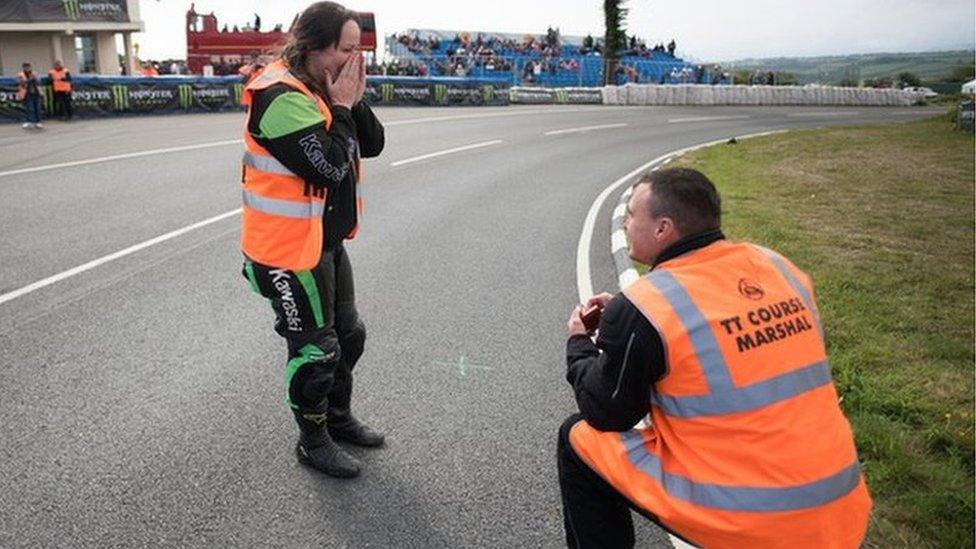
319,26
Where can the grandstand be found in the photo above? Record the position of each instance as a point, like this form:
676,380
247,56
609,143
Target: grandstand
549,60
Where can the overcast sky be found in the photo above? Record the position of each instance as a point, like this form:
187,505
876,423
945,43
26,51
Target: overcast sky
705,30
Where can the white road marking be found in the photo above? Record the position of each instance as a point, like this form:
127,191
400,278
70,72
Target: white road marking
706,119
111,257
197,146
627,278
444,152
913,113
620,210
487,115
121,157
818,114
585,129
618,241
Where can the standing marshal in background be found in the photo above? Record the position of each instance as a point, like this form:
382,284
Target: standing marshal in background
307,128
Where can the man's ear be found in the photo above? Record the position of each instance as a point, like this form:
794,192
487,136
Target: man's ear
663,227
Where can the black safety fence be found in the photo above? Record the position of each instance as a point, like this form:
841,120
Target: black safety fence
444,91
103,96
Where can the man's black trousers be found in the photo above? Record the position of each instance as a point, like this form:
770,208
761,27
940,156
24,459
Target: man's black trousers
62,105
316,313
594,513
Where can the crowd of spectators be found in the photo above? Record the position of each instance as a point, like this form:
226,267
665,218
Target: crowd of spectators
163,68
532,57
463,53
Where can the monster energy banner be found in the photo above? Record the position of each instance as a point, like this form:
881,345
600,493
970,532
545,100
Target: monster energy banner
436,91
31,11
94,96
591,96
98,96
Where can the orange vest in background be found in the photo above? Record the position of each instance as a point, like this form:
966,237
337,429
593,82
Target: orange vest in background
283,216
58,81
748,446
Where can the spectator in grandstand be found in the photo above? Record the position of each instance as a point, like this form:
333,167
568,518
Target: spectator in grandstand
587,45
528,72
149,69
235,29
224,29
671,47
257,23
277,28
29,93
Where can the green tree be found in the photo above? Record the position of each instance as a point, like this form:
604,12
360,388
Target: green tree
615,37
906,79
962,74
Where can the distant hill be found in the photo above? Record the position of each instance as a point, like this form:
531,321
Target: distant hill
929,66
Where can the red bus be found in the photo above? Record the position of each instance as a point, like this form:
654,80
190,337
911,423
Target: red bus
207,44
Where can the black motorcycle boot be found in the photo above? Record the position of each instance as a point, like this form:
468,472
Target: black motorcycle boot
316,449
349,429
340,421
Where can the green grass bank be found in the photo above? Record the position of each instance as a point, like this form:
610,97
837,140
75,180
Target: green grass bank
882,218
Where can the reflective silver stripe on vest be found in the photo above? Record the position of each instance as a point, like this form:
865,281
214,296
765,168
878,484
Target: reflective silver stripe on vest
266,164
723,397
697,327
283,208
796,284
750,397
741,498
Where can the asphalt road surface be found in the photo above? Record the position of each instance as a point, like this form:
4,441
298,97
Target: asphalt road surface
141,397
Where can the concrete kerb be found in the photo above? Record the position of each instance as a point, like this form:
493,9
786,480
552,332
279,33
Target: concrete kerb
626,273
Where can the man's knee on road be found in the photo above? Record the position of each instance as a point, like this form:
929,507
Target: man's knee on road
563,443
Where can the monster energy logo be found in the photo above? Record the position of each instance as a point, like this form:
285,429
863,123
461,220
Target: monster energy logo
120,97
48,94
238,93
71,8
186,95
488,93
386,92
440,93
562,96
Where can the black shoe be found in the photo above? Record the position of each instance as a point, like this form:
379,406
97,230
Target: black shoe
326,456
352,431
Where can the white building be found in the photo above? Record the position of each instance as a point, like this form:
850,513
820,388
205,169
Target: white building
79,33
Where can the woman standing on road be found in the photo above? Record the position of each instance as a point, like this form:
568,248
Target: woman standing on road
307,128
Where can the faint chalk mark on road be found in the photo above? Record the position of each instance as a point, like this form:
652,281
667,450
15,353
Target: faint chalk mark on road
462,366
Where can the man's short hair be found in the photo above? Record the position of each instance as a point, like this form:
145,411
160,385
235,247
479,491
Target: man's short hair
687,197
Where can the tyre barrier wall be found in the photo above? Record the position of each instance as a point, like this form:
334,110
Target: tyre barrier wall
571,96
691,94
104,96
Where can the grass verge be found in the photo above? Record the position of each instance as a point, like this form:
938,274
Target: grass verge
882,218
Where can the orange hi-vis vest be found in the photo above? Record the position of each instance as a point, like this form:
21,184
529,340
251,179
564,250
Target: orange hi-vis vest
57,80
283,216
747,445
